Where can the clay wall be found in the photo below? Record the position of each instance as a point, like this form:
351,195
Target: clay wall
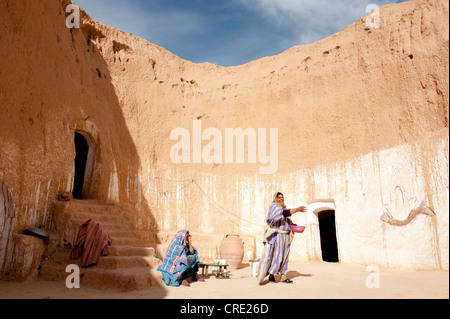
361,116
361,119
52,84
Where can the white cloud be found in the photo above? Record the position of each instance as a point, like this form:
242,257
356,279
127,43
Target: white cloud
254,28
311,20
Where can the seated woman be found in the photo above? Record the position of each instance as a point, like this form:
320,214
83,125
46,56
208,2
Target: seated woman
181,261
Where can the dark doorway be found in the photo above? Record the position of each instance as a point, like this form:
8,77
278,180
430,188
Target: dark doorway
328,241
82,149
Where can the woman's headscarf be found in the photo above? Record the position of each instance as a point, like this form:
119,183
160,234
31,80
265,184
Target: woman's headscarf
289,221
275,199
175,262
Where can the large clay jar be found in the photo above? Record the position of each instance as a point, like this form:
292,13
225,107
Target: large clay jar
232,250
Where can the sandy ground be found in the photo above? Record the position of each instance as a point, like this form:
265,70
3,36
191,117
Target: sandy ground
311,281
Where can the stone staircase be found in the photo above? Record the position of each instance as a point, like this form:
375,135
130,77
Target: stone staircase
129,265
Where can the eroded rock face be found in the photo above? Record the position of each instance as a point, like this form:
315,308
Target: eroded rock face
357,114
360,90
53,84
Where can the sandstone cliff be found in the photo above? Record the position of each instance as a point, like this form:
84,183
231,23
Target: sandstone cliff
359,115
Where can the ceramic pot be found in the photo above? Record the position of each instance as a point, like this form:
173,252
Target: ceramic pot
232,250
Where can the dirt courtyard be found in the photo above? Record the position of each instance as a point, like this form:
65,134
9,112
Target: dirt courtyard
318,280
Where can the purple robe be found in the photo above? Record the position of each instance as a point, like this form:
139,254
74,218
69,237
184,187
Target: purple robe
275,255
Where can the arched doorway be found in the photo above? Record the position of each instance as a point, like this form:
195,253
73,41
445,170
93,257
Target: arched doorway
82,151
328,241
88,171
323,229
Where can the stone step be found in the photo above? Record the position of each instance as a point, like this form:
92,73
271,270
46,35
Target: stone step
89,206
101,218
109,261
131,251
127,241
124,279
129,265
115,226
119,233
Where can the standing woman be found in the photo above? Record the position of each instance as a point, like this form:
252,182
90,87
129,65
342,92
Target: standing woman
277,240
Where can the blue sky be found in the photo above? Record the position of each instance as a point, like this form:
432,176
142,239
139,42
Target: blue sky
228,32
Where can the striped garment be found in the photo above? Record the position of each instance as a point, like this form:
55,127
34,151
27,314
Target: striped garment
176,261
277,246
91,243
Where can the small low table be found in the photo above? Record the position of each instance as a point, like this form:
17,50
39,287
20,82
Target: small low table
222,269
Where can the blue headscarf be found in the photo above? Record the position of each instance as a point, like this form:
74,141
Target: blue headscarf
176,261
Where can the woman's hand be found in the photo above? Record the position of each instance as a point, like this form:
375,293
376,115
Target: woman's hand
300,209
189,241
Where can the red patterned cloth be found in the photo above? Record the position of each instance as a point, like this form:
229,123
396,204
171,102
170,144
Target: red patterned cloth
91,243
